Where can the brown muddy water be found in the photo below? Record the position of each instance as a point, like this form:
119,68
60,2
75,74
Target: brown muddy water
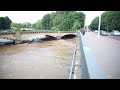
43,60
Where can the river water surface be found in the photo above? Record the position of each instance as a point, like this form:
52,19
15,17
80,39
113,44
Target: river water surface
43,60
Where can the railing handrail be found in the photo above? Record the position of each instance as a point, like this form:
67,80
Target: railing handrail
73,62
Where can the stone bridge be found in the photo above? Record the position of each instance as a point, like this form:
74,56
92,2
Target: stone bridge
18,36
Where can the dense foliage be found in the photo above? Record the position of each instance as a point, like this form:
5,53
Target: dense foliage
5,23
110,20
56,21
62,21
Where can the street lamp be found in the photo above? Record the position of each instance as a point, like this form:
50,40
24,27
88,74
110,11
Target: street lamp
99,26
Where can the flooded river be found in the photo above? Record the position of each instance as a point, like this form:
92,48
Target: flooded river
43,60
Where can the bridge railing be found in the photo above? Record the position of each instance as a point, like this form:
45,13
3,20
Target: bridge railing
72,69
36,31
48,31
90,69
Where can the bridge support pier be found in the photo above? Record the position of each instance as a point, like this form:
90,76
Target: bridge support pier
18,41
58,35
18,38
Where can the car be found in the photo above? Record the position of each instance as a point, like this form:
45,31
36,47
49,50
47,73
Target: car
96,31
115,33
104,33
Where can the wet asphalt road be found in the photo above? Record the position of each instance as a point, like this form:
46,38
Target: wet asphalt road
107,51
115,37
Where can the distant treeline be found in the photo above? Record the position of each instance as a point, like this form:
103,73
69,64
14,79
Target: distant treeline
59,20
110,20
5,23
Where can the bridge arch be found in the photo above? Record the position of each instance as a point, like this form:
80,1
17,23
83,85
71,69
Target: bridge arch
68,36
49,37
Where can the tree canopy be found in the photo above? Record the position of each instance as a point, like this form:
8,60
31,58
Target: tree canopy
5,23
110,20
57,21
62,21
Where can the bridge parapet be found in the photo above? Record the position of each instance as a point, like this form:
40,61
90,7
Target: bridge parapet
90,69
36,31
6,33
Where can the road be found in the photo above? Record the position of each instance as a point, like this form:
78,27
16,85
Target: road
107,52
115,37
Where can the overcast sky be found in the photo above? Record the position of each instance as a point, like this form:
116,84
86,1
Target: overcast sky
33,16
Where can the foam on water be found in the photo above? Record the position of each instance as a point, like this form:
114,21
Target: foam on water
35,37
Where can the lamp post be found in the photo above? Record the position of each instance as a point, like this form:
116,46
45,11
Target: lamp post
99,26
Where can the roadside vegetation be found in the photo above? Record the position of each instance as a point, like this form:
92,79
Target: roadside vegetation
56,21
110,20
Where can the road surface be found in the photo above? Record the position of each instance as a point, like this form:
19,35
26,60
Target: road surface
107,52
115,37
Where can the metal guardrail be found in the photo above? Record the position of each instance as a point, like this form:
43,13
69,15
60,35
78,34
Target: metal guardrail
73,63
90,69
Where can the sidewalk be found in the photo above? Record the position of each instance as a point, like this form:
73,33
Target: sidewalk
107,52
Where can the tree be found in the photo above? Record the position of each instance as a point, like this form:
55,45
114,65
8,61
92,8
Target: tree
64,20
110,20
1,22
5,23
46,22
60,21
94,24
76,25
26,25
38,25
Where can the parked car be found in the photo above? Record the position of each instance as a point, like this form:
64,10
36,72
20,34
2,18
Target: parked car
115,33
96,31
104,33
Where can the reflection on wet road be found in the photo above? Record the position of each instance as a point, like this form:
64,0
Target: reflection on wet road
43,60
